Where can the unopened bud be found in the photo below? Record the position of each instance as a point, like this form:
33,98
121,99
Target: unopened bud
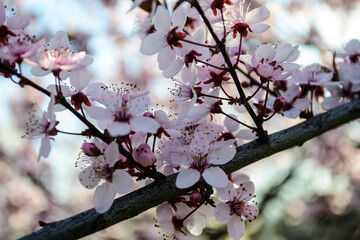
195,197
144,156
90,149
279,103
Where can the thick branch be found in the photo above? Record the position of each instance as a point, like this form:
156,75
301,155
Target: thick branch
136,202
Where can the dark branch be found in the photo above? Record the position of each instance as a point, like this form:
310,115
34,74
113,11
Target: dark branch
136,202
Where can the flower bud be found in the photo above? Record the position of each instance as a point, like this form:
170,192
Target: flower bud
144,155
279,103
90,149
195,197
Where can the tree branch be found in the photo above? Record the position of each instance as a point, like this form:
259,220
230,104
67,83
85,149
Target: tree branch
136,202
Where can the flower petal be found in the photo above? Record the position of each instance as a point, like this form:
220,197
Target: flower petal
236,227
88,178
187,177
111,153
257,15
215,176
222,212
60,40
103,197
98,113
221,155
162,20
17,22
119,128
152,44
45,147
122,182
145,124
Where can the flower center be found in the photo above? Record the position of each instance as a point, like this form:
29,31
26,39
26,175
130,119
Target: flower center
174,37
241,28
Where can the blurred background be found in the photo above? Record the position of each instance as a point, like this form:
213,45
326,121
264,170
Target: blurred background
312,192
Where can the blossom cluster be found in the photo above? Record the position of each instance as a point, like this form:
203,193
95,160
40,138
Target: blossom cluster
202,46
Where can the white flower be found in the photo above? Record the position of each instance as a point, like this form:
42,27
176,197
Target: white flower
274,62
43,126
242,21
166,36
237,208
103,175
58,58
123,111
199,157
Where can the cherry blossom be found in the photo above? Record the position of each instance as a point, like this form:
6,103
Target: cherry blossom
42,125
274,62
241,21
167,34
102,174
123,111
19,48
237,208
199,156
9,27
58,58
352,51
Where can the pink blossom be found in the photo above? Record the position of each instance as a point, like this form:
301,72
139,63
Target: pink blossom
19,48
101,174
167,34
313,75
274,62
237,208
42,126
199,157
123,111
242,21
58,58
10,26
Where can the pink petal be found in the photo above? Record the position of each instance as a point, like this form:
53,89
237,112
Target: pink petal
246,191
45,148
222,212
187,177
221,155
239,178
152,44
79,78
161,117
166,57
17,22
88,179
179,18
259,28
119,128
60,40
257,15
236,227
265,51
122,182
162,20
37,71
103,197
250,212
164,212
99,113
215,176
111,153
145,124
174,68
